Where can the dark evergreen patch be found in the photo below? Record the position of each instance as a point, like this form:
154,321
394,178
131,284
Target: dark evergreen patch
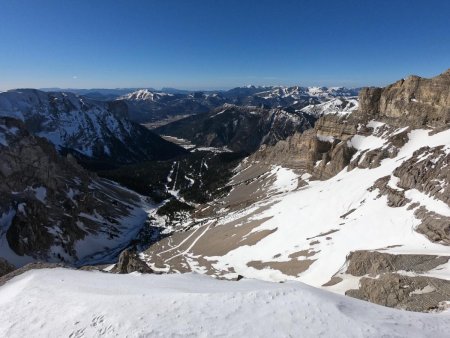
198,177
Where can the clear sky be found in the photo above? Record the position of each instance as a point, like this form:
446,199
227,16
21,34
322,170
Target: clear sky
215,44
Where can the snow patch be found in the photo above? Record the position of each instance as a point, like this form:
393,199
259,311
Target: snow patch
135,305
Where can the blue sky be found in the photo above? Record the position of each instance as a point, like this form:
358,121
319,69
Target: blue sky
220,43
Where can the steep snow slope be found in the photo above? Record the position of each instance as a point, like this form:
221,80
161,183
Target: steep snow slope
58,302
309,214
97,130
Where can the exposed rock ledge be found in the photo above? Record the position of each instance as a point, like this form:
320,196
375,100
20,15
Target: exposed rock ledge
413,101
397,280
421,294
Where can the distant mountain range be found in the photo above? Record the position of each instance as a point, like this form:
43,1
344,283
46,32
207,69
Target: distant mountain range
106,94
146,105
86,128
102,130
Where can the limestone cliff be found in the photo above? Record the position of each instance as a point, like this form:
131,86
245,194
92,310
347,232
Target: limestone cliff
324,151
414,101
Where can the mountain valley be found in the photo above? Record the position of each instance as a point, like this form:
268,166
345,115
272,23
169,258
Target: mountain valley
346,192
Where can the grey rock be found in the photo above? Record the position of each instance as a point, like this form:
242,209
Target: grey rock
326,143
5,267
129,261
396,198
363,262
421,294
433,225
384,281
414,102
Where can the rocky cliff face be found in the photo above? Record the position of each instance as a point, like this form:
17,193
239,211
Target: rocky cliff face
322,151
128,262
414,101
85,128
51,209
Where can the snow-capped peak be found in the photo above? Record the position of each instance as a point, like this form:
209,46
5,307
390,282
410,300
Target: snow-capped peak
338,105
144,95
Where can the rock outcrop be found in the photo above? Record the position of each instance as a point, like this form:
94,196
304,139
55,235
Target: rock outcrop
414,101
397,280
420,294
428,172
322,151
129,261
5,267
373,263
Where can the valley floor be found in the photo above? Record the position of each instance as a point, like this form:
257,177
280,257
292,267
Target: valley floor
59,302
